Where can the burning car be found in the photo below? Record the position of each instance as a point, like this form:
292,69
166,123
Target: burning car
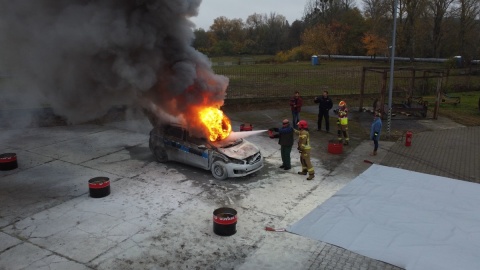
224,158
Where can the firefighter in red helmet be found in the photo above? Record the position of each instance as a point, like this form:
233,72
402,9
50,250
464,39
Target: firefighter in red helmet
304,149
342,122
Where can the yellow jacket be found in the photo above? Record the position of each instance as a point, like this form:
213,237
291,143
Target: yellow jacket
303,140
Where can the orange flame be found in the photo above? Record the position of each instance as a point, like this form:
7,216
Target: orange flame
217,123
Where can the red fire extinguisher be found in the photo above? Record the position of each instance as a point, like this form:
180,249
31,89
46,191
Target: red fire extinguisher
408,138
270,133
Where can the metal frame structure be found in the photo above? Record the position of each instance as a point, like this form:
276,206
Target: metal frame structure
412,104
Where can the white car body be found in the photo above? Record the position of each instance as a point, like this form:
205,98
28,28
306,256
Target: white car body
223,158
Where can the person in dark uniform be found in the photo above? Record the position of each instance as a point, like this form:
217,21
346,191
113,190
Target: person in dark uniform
325,104
285,139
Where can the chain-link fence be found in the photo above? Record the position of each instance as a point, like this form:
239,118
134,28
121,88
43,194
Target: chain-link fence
260,82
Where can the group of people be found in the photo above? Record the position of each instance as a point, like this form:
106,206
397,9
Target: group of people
325,104
285,134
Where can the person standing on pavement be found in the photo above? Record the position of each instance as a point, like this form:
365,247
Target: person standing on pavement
304,149
324,105
342,122
375,131
296,103
285,139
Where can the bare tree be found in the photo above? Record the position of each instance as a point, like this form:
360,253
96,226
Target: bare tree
255,20
375,9
468,11
408,13
378,17
325,11
267,33
437,10
276,34
348,4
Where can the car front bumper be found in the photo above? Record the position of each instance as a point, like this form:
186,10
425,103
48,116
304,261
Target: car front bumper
239,170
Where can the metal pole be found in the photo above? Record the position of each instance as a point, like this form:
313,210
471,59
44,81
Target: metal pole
392,68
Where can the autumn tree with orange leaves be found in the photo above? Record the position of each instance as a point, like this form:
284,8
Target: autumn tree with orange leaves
374,44
322,39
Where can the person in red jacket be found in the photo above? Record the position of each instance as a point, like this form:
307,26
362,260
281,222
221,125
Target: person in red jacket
296,103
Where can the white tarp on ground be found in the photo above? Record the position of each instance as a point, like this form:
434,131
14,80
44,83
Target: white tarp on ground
408,219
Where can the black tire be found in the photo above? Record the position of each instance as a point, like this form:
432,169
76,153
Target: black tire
160,154
157,148
219,171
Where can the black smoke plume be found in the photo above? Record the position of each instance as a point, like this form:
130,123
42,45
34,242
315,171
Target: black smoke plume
81,57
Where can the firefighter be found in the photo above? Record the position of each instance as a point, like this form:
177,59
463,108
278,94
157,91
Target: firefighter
304,149
342,122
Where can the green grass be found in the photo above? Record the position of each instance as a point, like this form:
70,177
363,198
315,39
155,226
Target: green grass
467,112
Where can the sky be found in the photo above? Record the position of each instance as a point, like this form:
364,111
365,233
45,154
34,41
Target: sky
241,9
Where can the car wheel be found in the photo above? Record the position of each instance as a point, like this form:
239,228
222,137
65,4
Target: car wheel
219,171
160,154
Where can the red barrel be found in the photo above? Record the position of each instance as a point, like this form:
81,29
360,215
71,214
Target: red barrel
225,221
99,187
8,161
335,147
246,127
408,138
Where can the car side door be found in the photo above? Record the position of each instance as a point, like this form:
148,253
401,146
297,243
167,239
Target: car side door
198,152
174,143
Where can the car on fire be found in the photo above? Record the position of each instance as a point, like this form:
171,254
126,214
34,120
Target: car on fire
225,158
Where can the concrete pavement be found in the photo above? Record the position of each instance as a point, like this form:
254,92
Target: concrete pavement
159,216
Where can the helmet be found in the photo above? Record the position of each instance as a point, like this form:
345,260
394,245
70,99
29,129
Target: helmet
302,124
342,103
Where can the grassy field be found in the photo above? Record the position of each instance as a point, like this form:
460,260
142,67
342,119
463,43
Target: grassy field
467,112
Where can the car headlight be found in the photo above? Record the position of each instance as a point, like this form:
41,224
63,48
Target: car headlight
255,158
